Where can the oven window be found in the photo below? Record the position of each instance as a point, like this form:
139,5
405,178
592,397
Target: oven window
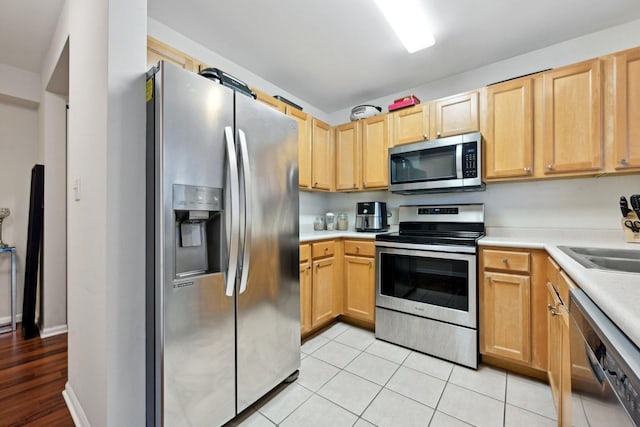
424,165
435,281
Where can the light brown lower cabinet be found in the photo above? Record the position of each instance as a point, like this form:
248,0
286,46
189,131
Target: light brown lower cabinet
512,299
506,327
323,296
359,287
305,297
560,365
337,278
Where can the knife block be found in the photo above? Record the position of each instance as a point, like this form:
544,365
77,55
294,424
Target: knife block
630,236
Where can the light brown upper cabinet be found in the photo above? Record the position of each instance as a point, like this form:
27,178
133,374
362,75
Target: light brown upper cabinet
411,124
269,100
375,154
347,143
508,129
627,110
304,145
573,118
455,115
322,157
157,51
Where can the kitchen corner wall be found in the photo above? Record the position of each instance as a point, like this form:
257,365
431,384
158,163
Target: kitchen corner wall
19,148
580,203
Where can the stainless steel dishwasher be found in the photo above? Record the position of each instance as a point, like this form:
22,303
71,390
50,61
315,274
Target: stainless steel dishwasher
605,368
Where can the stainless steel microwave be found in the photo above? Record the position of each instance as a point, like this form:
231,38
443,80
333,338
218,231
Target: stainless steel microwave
441,165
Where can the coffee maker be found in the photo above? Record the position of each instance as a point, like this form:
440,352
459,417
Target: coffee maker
371,216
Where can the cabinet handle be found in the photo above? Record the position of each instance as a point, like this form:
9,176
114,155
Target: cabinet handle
505,260
527,171
357,248
309,268
370,264
326,249
551,307
623,161
315,184
438,134
489,278
555,313
550,166
425,137
355,186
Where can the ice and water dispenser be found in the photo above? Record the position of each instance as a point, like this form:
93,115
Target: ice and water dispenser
199,230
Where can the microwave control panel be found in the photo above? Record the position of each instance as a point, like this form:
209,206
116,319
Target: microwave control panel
470,160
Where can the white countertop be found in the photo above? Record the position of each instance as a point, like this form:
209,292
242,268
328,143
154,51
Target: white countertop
310,236
616,293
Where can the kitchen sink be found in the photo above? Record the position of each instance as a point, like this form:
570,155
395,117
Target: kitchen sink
627,260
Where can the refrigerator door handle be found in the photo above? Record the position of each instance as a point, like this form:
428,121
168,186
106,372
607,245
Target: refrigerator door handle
232,269
246,172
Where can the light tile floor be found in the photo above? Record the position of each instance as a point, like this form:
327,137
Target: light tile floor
349,378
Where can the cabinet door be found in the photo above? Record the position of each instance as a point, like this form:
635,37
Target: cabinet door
375,145
304,145
359,287
157,51
456,114
509,129
555,344
323,298
627,110
305,297
269,100
411,124
322,160
505,316
573,118
347,140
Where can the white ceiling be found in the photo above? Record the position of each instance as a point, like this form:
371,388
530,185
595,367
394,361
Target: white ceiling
336,54
26,27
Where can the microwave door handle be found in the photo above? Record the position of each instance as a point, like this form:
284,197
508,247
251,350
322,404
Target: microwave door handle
459,161
248,212
232,268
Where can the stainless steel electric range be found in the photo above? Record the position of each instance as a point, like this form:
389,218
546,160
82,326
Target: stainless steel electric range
426,281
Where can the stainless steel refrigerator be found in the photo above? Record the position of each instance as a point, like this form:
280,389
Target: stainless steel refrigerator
223,299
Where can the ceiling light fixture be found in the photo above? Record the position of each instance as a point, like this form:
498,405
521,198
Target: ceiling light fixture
409,23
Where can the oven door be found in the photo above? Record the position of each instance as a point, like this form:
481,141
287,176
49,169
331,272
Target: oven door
436,285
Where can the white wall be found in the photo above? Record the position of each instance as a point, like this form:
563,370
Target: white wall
53,292
20,86
581,203
169,36
125,222
18,154
105,234
579,49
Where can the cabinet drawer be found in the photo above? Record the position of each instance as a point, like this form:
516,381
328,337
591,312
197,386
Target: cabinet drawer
305,252
360,248
507,260
322,249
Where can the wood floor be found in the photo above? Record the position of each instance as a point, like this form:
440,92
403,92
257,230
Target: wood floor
32,376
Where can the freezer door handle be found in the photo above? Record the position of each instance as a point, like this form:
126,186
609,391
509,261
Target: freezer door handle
248,220
232,269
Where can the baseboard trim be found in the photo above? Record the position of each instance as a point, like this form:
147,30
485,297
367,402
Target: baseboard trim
53,331
75,409
7,319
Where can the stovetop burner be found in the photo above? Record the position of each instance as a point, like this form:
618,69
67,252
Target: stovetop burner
456,225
